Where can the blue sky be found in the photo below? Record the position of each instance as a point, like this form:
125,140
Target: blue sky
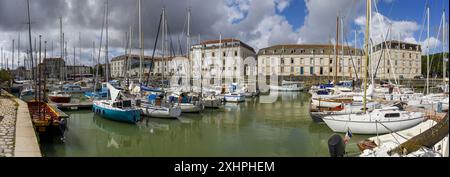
396,10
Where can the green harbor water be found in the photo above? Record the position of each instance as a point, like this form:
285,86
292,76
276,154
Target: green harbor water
255,128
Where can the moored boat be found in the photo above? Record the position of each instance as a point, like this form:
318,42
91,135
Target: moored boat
59,97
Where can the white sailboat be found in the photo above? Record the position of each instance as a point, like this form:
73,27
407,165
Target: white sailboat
378,121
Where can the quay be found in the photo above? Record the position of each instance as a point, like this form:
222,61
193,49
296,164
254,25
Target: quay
24,139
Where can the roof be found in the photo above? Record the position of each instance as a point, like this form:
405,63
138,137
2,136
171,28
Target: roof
227,40
299,49
134,56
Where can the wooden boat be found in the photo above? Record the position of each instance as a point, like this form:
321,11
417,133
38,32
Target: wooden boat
59,97
44,117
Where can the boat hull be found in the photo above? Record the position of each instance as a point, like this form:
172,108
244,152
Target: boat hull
371,126
329,103
286,89
129,116
161,112
190,108
234,98
58,99
212,103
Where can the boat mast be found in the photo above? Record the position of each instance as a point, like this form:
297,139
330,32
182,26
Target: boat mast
61,45
336,51
12,57
128,59
443,45
106,47
99,51
366,52
163,43
428,49
141,39
29,38
79,55
188,43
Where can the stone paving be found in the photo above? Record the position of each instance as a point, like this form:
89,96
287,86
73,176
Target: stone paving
7,126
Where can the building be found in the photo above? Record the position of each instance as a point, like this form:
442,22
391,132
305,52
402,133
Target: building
221,59
78,71
54,68
118,66
310,60
397,58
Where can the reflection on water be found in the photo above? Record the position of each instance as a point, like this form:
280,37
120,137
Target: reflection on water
280,128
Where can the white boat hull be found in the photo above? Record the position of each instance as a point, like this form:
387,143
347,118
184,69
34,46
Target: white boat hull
212,103
234,98
325,104
286,89
362,124
189,107
160,112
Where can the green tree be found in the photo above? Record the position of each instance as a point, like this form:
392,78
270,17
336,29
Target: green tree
436,65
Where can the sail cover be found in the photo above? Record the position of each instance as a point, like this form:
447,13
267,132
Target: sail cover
114,92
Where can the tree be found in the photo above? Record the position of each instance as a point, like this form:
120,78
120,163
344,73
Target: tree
436,65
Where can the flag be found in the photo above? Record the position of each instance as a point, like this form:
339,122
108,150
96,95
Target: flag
348,136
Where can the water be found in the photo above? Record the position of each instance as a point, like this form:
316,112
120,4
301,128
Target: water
283,128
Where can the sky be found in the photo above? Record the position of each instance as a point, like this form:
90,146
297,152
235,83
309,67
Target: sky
259,23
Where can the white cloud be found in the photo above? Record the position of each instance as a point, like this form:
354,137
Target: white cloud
282,4
432,44
399,30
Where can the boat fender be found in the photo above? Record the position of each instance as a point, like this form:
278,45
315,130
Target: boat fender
336,146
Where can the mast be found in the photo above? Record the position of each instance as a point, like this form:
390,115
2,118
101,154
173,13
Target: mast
12,58
342,46
79,54
366,52
188,43
61,45
39,72
443,45
99,51
336,51
29,39
18,51
163,42
428,49
106,47
128,59
1,66
73,70
141,39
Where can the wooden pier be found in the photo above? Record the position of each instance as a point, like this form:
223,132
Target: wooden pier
73,106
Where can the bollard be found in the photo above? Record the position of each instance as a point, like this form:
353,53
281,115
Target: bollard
439,107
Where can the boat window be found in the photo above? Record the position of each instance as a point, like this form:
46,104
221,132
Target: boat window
392,115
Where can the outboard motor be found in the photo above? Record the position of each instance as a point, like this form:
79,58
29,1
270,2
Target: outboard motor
336,146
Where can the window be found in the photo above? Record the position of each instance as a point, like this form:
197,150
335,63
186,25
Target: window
311,62
331,70
292,61
311,70
301,71
393,115
321,70
213,54
235,53
282,61
224,54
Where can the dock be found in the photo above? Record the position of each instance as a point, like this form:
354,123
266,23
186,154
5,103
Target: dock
58,111
72,106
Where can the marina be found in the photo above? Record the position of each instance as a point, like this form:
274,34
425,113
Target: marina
225,96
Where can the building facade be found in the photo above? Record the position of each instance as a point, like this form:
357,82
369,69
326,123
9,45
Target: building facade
54,67
221,59
395,59
310,60
119,67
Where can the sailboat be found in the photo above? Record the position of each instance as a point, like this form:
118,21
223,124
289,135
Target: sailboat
117,107
234,95
379,121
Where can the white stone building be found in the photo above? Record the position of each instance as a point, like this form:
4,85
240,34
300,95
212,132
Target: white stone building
221,59
402,61
310,60
118,67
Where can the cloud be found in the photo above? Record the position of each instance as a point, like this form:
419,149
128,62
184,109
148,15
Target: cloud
282,4
320,21
399,30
